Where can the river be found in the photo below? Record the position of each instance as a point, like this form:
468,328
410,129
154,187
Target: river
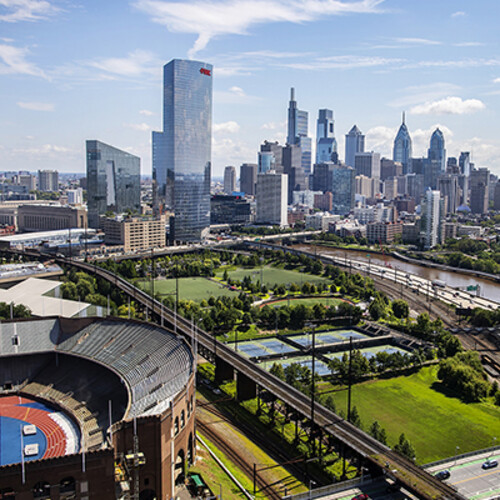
488,289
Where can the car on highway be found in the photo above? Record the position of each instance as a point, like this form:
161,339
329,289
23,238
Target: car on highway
361,496
490,463
443,474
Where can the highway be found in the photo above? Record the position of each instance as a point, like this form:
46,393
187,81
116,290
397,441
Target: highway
471,480
410,475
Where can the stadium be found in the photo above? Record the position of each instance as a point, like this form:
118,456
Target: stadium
94,408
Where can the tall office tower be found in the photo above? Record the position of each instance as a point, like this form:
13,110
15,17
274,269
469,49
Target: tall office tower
292,166
452,166
496,198
48,180
402,147
450,190
415,186
113,181
326,144
270,157
343,189
432,170
322,177
354,143
479,190
431,218
248,178
390,168
182,152
417,166
390,188
464,163
271,199
437,151
297,131
367,164
229,180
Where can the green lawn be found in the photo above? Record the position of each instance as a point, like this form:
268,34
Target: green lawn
434,423
195,289
326,301
273,275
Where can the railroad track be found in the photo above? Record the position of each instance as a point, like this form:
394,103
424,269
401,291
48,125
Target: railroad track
262,486
423,484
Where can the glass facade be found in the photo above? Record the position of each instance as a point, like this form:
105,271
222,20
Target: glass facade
402,151
326,144
113,181
437,152
182,152
343,189
297,131
354,143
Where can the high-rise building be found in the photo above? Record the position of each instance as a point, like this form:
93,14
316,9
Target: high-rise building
322,177
390,168
437,151
292,166
229,180
354,143
431,218
479,190
27,180
75,196
367,164
182,152
343,189
48,180
450,191
415,186
113,181
270,157
297,131
326,144
402,147
248,178
271,199
496,198
464,163
432,170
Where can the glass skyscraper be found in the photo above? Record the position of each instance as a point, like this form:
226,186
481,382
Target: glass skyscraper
326,144
182,152
113,181
437,152
354,143
298,130
402,147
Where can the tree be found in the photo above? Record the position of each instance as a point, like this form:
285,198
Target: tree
278,371
377,309
378,432
69,291
405,448
400,309
355,418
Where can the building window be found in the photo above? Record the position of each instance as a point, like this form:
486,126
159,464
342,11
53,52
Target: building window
183,419
176,426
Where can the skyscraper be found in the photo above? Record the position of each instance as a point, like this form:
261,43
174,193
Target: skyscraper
326,144
448,187
270,157
292,166
182,152
343,189
402,147
271,198
367,164
464,163
248,178
297,131
479,190
431,218
437,151
113,181
354,143
229,180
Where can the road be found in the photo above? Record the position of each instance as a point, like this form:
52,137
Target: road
471,480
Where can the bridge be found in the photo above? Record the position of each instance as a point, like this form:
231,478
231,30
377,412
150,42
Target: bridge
249,376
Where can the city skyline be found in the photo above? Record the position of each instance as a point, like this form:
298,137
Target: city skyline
442,70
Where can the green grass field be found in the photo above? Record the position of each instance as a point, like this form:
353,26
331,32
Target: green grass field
326,301
434,423
273,275
195,289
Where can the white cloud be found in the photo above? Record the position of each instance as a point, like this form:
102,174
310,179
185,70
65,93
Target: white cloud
238,91
226,151
469,44
417,41
343,62
209,18
421,139
459,13
496,80
14,62
273,126
146,112
454,64
141,127
26,10
416,94
37,106
50,150
135,64
449,106
230,127
381,139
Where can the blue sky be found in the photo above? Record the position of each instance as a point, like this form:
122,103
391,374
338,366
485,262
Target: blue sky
71,71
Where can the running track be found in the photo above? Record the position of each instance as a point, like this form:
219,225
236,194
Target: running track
56,439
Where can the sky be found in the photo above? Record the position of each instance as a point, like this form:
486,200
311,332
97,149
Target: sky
72,71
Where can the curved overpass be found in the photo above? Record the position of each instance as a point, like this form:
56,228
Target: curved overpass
411,476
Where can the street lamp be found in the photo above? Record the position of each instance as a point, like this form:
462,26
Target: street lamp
311,484
456,455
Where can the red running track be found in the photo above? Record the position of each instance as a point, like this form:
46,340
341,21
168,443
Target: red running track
56,439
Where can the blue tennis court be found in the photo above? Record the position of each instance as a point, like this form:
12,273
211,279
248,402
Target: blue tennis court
264,347
327,338
320,367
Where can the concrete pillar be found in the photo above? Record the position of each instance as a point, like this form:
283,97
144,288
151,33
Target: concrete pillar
246,388
223,371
